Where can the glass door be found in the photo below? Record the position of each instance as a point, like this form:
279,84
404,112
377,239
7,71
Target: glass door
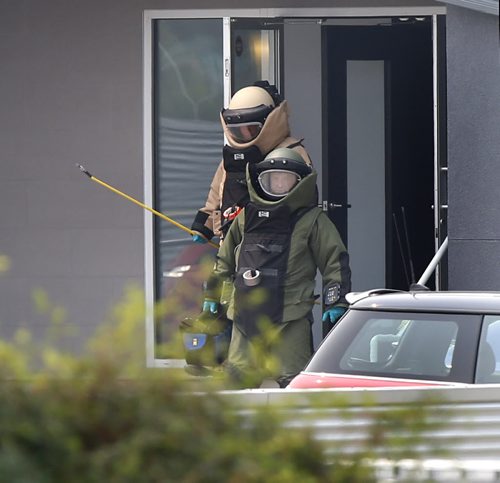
188,93
192,67
255,52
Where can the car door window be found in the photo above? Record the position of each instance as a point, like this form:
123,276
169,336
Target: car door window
425,348
414,345
488,361
400,346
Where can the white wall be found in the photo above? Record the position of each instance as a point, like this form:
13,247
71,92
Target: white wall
302,60
366,173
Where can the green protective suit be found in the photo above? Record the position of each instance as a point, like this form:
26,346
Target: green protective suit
315,244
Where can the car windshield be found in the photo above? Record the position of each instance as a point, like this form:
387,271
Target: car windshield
403,345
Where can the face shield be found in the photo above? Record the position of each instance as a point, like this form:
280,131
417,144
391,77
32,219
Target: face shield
245,131
277,183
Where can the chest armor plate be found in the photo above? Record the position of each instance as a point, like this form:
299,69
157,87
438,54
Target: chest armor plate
263,258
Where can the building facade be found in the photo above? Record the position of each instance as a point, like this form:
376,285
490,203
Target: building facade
398,104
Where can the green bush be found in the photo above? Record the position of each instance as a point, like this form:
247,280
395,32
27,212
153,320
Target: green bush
103,417
101,429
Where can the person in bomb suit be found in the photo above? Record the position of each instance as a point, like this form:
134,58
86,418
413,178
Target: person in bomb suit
255,123
269,260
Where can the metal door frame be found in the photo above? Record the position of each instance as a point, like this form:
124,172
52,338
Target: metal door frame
225,16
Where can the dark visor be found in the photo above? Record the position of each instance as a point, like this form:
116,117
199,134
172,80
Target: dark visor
250,114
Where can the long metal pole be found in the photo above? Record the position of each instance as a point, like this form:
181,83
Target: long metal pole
142,205
433,263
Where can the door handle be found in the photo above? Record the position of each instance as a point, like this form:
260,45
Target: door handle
332,206
327,205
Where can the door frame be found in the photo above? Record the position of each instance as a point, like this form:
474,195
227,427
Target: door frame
149,16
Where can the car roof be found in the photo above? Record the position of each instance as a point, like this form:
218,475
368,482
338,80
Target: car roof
426,301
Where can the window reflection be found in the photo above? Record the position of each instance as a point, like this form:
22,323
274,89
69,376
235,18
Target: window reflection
254,53
188,140
402,346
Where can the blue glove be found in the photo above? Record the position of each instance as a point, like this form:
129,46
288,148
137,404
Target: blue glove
198,238
210,306
333,314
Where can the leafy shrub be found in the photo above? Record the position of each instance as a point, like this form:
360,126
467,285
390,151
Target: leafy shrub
104,417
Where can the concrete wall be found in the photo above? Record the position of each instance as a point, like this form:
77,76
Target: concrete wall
473,150
70,92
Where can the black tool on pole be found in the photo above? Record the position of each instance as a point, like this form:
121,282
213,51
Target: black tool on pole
405,250
401,250
410,259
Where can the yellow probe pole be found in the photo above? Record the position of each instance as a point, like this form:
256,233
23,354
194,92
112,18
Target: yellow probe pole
142,205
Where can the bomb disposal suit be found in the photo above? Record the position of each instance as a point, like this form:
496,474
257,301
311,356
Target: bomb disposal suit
255,122
270,256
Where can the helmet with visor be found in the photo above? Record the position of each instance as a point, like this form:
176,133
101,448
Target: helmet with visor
279,173
247,112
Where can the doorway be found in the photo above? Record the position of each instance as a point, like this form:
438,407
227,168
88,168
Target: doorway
379,73
379,147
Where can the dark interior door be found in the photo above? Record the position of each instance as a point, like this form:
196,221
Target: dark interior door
406,49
